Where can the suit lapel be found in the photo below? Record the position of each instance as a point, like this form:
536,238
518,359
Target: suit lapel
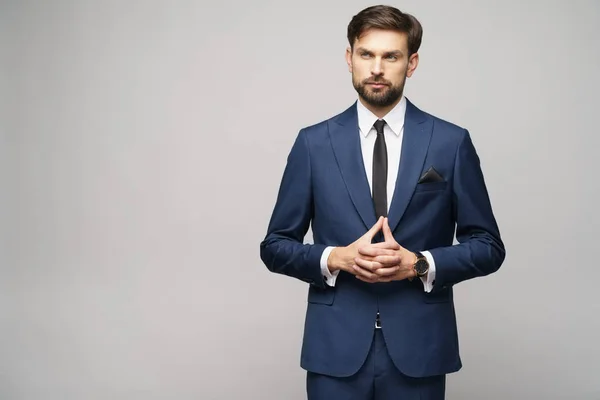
415,142
345,140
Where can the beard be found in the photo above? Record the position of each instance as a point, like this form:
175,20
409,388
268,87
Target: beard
384,97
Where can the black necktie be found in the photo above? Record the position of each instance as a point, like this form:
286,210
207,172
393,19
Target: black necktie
380,168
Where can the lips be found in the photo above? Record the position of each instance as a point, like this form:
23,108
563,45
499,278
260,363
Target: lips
377,84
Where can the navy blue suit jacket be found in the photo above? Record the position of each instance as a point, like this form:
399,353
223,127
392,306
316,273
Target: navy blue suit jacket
324,184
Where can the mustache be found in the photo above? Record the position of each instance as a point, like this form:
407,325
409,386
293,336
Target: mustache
380,81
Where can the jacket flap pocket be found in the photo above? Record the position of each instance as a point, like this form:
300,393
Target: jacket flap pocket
442,295
316,295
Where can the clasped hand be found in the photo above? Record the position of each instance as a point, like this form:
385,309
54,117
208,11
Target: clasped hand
374,262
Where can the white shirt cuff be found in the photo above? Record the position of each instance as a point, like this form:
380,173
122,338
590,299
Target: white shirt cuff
430,277
329,277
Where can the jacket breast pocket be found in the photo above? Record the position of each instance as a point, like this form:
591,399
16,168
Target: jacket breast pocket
316,295
431,187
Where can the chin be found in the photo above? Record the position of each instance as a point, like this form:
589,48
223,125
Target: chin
376,99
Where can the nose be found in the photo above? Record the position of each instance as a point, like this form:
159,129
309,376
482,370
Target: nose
376,68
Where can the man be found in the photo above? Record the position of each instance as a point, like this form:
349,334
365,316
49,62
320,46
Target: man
385,186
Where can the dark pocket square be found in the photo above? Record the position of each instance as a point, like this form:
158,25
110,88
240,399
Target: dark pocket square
431,176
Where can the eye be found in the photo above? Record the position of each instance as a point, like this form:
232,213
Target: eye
392,57
365,55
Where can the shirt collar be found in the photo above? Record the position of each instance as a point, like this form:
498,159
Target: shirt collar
394,119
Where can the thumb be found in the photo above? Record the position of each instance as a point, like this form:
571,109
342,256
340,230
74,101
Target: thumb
387,232
374,229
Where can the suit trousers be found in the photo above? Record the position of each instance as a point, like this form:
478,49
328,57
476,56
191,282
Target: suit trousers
377,379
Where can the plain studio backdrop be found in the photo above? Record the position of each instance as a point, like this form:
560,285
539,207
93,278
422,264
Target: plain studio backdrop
142,146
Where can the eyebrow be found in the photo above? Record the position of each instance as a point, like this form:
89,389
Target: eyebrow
387,53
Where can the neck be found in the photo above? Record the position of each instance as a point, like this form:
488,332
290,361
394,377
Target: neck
380,112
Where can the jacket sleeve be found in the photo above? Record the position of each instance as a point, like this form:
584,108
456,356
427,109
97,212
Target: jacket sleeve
480,250
283,250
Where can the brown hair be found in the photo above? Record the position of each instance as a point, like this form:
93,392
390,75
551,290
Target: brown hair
386,17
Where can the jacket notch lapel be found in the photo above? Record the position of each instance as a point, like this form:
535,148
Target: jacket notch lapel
415,142
345,141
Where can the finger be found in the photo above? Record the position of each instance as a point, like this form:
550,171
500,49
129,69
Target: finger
358,271
372,263
371,251
367,265
387,272
367,258
367,280
387,245
374,229
387,261
387,232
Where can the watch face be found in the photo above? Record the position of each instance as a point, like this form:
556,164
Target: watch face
421,266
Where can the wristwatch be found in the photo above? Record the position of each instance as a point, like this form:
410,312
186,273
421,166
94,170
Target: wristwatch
421,266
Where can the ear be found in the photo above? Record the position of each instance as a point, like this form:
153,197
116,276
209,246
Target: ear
413,62
349,58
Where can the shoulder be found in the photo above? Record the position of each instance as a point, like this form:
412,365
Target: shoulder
322,127
443,128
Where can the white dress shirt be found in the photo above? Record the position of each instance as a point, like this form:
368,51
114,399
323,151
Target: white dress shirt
393,131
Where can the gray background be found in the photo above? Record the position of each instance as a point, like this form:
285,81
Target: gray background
141,149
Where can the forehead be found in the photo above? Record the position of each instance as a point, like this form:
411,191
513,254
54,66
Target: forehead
382,40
